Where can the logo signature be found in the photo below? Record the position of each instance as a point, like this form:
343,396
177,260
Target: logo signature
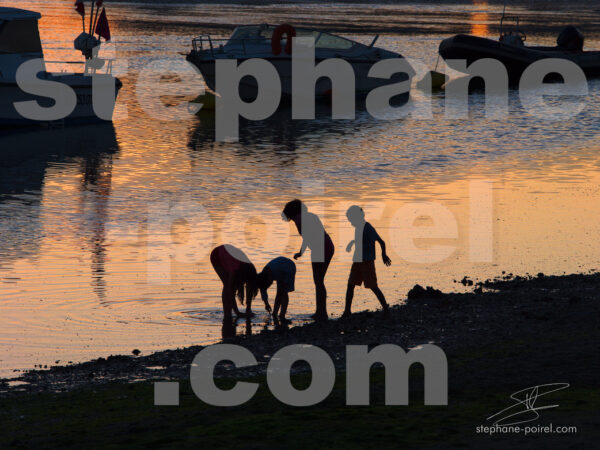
525,409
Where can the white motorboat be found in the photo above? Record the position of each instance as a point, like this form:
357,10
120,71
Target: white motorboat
268,42
20,43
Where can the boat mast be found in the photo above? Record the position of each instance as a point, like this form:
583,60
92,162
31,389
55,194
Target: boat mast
91,17
502,19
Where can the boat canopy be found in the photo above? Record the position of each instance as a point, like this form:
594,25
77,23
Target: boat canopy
8,14
261,34
19,31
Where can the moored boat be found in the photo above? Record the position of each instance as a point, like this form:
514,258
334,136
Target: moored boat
20,44
511,50
515,55
267,42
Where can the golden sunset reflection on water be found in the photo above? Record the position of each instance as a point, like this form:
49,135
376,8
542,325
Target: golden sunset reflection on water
480,19
89,268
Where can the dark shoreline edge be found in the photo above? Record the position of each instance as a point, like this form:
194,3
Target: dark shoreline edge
504,337
542,308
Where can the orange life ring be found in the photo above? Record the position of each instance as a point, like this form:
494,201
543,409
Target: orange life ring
278,33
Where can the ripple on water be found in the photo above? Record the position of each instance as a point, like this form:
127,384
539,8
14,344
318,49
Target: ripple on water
83,271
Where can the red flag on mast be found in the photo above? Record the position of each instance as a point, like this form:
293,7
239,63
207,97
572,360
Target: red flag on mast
102,28
99,3
80,8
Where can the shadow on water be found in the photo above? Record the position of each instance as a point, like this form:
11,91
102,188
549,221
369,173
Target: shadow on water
26,158
229,328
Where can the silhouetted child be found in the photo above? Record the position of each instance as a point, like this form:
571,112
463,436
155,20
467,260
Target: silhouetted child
283,271
321,249
363,266
237,273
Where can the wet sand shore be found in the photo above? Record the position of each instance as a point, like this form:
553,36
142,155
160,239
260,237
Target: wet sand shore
506,336
514,332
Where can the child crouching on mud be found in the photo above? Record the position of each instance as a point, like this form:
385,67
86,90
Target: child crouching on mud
363,266
283,271
237,274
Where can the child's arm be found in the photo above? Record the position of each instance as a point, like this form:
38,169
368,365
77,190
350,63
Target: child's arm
349,247
302,250
231,293
265,299
386,259
265,278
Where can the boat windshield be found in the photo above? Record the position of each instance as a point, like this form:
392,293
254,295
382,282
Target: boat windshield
247,34
263,34
20,36
330,41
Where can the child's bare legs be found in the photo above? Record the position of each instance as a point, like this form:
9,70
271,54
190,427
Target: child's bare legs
226,299
381,298
319,272
284,304
277,304
349,297
227,294
249,314
233,304
284,299
281,302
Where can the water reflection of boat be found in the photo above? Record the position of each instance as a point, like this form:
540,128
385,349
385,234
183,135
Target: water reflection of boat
511,50
24,161
20,43
267,42
25,155
285,134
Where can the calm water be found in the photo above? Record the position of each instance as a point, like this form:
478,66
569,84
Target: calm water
83,271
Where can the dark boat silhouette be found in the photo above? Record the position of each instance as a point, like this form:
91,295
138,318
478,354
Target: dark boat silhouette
515,55
20,43
511,50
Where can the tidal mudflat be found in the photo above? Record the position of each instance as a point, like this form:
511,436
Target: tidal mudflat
506,335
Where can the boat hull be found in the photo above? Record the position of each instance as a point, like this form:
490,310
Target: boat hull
515,58
248,88
11,93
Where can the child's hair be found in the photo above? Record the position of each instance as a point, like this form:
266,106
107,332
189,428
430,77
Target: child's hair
355,212
247,278
293,209
262,280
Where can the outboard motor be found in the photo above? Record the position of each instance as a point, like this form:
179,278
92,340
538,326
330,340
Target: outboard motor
570,38
512,39
88,45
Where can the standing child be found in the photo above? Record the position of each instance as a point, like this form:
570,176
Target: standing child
237,274
283,271
321,248
363,266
